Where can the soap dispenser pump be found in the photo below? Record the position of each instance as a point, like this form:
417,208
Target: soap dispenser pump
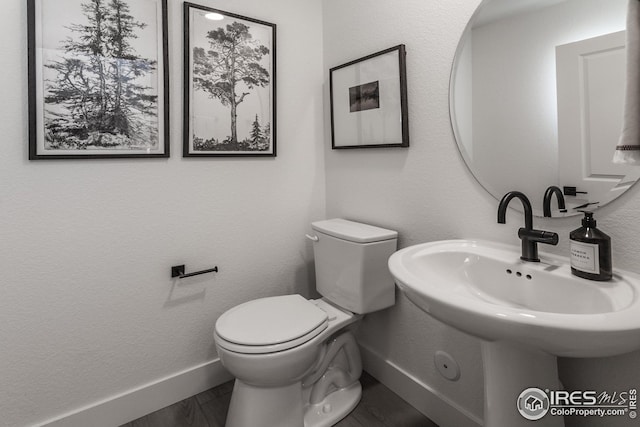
590,251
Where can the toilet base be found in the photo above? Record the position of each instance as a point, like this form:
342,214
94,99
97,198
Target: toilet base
334,407
282,406
258,406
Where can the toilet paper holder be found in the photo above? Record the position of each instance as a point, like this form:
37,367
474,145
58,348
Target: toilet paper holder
179,271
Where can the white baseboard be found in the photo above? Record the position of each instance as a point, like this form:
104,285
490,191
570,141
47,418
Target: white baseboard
135,403
438,408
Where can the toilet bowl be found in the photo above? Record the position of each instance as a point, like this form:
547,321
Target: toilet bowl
296,362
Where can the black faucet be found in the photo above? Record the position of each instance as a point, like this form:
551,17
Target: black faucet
546,205
530,237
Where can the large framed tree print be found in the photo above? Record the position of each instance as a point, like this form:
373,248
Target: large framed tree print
98,79
229,84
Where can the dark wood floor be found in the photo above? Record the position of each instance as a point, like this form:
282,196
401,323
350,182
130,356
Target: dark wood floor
379,407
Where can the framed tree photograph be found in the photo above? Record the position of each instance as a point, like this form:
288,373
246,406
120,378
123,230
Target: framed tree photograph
98,79
229,84
369,101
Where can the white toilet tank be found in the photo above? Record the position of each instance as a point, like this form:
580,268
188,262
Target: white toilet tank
351,264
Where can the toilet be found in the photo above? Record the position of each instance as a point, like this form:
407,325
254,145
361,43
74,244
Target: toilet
295,361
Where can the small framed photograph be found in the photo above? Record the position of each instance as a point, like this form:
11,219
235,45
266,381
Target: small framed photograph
229,84
98,79
369,101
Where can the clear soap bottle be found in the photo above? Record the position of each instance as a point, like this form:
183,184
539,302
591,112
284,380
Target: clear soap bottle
590,251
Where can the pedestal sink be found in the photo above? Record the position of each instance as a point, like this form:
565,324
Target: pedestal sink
525,313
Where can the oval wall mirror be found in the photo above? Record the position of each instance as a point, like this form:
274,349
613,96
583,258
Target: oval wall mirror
537,97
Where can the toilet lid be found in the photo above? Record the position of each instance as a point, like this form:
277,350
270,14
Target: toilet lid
270,321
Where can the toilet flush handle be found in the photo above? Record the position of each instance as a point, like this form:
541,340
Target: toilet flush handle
312,238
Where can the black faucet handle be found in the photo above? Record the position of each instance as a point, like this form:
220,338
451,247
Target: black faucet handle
539,236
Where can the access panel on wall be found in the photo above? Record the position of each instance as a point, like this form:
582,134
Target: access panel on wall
229,84
98,79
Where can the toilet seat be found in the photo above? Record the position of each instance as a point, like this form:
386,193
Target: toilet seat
271,324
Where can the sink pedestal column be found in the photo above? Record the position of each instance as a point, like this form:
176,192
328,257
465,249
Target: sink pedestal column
508,371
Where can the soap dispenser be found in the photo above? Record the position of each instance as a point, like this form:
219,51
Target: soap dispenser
590,251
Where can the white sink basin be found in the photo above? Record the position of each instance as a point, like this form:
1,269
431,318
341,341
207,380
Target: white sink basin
484,289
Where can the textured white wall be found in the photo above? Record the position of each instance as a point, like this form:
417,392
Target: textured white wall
426,193
87,307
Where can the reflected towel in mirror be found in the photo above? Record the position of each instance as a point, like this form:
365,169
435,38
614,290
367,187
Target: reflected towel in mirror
628,149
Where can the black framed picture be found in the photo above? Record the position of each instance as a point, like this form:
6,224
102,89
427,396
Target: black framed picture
369,101
98,79
229,84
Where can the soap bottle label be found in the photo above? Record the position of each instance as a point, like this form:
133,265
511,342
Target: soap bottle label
585,257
